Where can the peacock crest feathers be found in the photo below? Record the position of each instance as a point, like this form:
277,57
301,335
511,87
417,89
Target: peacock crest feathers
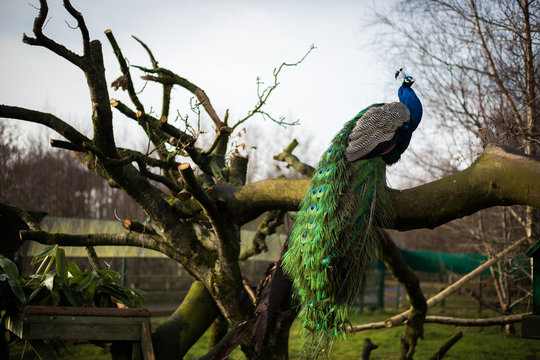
335,237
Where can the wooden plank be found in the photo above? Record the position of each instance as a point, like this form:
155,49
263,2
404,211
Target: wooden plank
87,311
146,342
46,327
92,320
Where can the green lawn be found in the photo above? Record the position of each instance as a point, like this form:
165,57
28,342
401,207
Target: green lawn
489,343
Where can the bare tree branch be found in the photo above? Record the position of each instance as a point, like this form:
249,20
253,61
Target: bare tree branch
494,71
42,40
81,25
49,120
265,94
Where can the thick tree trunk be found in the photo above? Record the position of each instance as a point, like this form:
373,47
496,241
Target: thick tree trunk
185,326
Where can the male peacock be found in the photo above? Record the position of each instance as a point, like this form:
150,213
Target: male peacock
337,229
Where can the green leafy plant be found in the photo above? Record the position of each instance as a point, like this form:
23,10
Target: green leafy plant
11,285
57,282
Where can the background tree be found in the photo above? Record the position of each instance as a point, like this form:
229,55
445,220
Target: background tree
197,199
480,62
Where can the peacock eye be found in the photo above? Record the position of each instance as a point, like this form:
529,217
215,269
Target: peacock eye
321,172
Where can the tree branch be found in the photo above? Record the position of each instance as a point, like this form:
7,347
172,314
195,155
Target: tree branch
126,239
287,156
439,354
125,71
266,227
495,321
445,320
414,328
42,40
500,176
49,120
166,101
167,77
21,214
493,69
81,25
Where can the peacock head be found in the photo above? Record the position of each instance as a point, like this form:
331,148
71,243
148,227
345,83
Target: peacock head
408,81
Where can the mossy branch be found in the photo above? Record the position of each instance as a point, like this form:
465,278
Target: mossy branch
500,176
287,156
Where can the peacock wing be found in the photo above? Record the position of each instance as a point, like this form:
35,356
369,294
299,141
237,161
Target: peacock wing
378,125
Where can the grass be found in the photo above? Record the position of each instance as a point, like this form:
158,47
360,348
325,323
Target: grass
488,343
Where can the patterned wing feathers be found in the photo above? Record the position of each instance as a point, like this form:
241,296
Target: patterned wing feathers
378,125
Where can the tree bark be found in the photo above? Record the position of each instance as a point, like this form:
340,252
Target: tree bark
185,326
500,176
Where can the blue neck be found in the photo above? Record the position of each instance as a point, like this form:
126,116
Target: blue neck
409,98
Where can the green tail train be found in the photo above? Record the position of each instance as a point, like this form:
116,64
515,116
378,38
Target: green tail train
334,239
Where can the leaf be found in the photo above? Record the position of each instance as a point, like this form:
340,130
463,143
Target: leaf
48,280
108,274
74,269
61,266
69,296
85,282
90,291
9,268
44,253
34,293
17,290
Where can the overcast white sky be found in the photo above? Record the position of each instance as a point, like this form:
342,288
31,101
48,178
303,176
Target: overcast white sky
222,46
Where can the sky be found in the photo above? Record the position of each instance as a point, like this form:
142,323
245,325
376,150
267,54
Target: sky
222,46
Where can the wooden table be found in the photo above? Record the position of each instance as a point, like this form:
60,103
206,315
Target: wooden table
38,323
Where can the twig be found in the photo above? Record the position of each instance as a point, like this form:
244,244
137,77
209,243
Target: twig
265,94
166,87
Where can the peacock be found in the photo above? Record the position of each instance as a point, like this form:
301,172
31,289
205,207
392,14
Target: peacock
338,227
